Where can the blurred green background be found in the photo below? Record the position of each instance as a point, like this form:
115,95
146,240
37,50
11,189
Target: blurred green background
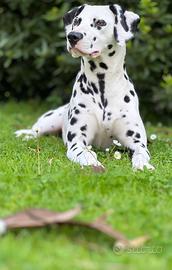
34,62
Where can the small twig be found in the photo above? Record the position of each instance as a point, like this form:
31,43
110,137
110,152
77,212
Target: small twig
43,217
38,154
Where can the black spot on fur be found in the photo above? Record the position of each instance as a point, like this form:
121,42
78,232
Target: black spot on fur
82,60
127,99
103,65
123,116
80,9
110,46
73,121
109,114
94,38
84,142
138,135
101,76
79,154
148,152
115,34
84,78
85,91
70,136
111,54
92,65
129,133
48,114
74,93
80,78
123,21
68,114
132,93
94,87
134,25
115,12
77,111
125,76
82,105
83,128
136,141
73,145
100,105
89,90
104,102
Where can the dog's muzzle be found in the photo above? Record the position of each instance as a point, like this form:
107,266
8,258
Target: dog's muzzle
74,37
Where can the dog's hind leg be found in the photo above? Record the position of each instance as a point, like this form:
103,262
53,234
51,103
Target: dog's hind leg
49,123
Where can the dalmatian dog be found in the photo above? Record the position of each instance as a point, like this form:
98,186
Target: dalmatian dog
104,105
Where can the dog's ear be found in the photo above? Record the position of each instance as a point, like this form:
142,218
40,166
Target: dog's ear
70,15
126,23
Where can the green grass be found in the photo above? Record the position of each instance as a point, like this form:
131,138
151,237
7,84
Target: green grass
141,202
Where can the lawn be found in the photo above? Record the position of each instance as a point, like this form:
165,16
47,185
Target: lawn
140,202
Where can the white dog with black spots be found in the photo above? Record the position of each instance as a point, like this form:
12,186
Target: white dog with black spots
104,105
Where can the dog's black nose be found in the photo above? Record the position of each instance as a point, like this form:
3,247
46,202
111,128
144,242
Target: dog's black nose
74,37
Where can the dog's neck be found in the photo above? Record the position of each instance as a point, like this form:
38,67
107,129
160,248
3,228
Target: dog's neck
111,66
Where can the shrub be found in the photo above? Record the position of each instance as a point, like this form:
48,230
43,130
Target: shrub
34,61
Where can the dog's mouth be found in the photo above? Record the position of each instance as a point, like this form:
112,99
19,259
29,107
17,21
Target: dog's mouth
79,52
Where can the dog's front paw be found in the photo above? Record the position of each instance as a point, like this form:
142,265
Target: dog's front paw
26,134
140,161
84,157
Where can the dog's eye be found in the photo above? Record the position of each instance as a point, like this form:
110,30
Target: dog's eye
77,21
100,23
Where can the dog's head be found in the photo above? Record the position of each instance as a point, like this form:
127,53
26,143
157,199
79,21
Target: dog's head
91,29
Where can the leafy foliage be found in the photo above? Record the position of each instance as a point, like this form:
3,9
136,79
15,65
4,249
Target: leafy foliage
34,61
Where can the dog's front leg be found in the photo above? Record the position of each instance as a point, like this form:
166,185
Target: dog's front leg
80,132
131,133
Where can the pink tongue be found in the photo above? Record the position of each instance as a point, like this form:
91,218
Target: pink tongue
95,53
